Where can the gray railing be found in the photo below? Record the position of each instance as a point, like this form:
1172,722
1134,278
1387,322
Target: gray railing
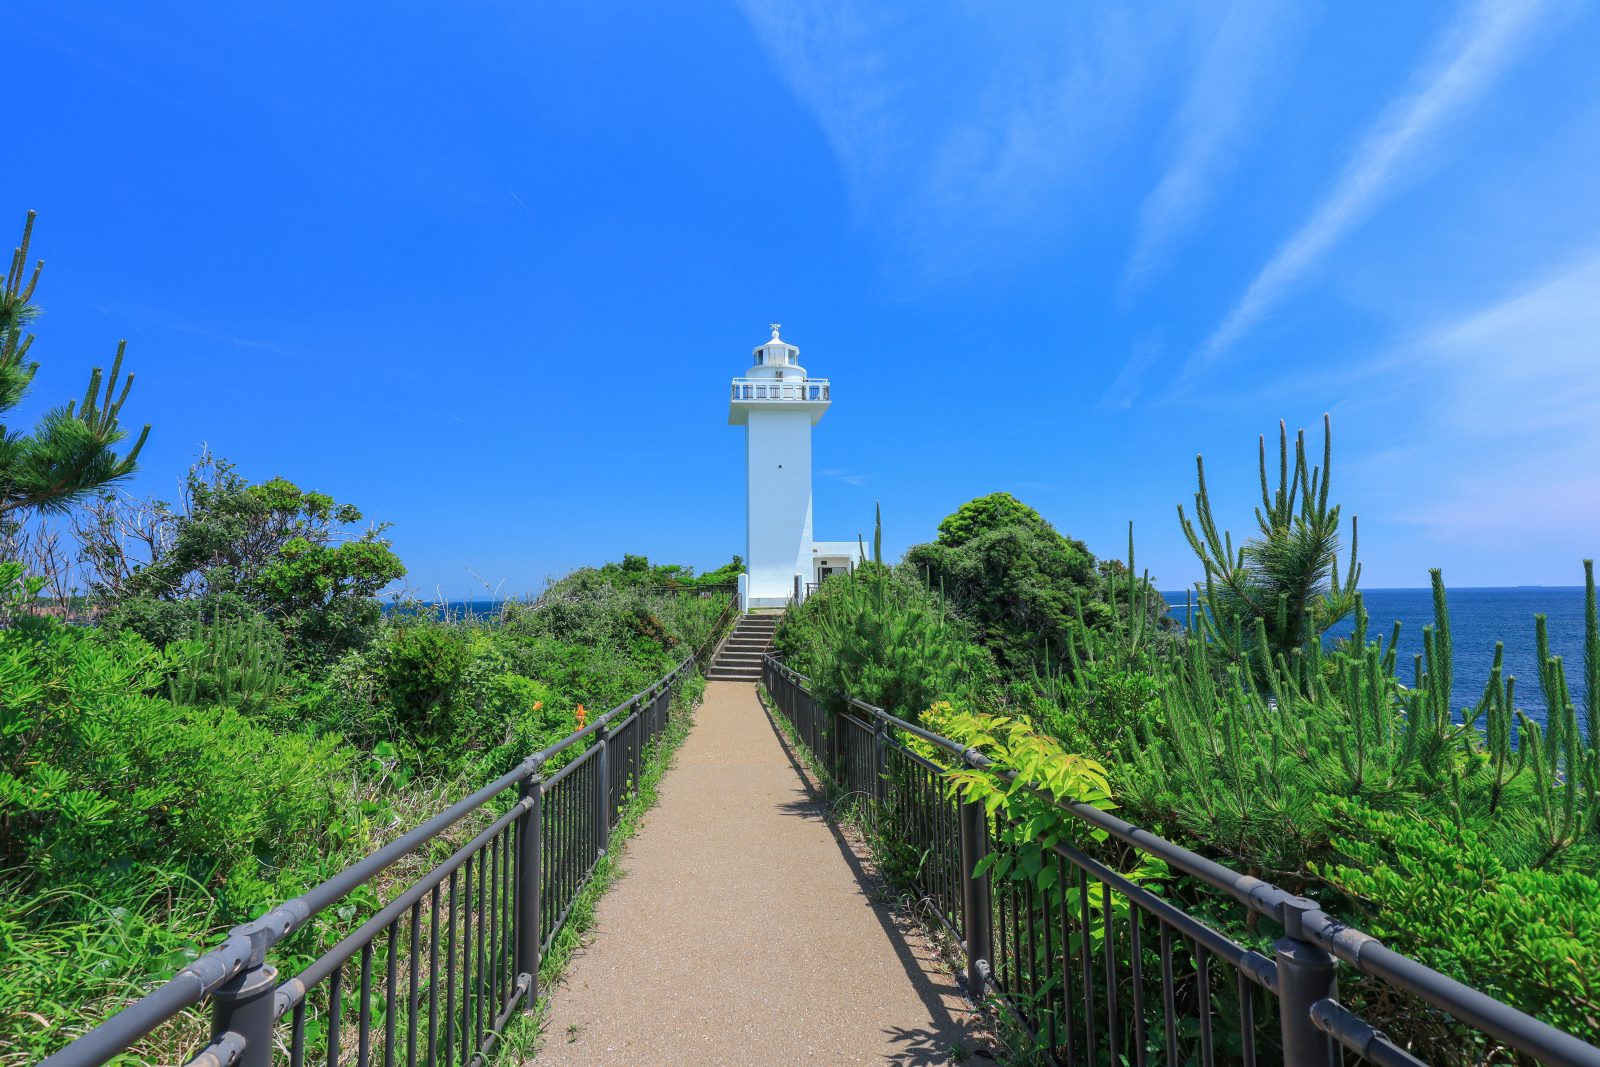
1099,966
434,975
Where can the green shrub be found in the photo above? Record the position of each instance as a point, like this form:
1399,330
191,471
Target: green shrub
422,665
100,778
1444,895
879,636
238,663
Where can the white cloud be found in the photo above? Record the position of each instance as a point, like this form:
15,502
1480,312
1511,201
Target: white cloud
1242,47
1473,52
961,132
1504,409
1124,390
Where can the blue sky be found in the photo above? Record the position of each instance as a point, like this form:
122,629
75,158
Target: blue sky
485,269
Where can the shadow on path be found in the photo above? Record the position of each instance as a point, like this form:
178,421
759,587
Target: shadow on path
934,984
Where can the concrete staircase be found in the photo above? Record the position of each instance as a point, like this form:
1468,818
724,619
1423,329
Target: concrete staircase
739,657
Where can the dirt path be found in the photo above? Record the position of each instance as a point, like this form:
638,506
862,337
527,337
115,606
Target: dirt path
742,931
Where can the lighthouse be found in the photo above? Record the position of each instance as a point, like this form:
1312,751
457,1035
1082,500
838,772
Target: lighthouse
778,403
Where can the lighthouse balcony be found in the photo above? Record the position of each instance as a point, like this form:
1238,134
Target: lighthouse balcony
802,390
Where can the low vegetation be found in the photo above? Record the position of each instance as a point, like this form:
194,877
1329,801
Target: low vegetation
1465,837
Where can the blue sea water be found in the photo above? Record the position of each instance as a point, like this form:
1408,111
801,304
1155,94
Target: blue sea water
461,609
1478,619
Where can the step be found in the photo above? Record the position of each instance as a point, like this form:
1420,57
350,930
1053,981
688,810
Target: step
715,675
747,646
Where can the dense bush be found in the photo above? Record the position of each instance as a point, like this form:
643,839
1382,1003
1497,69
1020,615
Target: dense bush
153,793
880,635
1468,838
1020,584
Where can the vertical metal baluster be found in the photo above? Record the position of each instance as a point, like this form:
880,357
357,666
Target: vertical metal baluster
1169,995
297,1036
1202,960
504,940
493,972
411,1002
392,972
1068,996
450,977
1032,957
335,1013
466,959
1247,1018
433,977
1002,950
1049,973
549,892
1109,947
364,1038
1086,936
508,913
482,957
1136,952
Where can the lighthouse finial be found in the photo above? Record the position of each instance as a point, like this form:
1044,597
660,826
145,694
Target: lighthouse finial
775,326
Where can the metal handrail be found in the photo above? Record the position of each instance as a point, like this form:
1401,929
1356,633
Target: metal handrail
1309,931
247,999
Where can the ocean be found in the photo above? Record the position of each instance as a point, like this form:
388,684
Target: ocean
1478,618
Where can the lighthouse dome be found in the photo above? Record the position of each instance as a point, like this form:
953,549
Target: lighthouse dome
776,358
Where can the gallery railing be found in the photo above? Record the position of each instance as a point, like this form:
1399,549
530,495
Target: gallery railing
1100,969
809,390
434,975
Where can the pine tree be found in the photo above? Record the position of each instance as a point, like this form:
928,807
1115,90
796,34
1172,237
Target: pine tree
72,450
1281,589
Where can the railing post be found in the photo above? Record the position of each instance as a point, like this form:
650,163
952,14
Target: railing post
243,1006
603,739
976,904
529,838
1306,974
880,765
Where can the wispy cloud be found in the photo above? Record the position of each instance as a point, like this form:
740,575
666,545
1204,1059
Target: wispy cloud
229,339
1124,390
1471,54
1502,410
845,476
1241,48
964,137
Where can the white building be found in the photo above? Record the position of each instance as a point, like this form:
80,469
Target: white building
777,404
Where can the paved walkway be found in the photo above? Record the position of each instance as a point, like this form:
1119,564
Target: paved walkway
742,931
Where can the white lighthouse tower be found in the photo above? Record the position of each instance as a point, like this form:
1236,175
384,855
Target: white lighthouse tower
777,404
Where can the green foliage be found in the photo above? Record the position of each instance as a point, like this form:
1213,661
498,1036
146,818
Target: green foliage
422,665
71,452
1281,587
880,636
279,549
97,776
238,662
639,571
1110,692
138,827
1468,837
1445,895
1017,580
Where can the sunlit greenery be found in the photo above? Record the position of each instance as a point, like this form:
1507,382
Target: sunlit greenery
209,750
1467,838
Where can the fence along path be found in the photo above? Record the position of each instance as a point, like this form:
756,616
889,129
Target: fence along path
435,976
743,932
1094,965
